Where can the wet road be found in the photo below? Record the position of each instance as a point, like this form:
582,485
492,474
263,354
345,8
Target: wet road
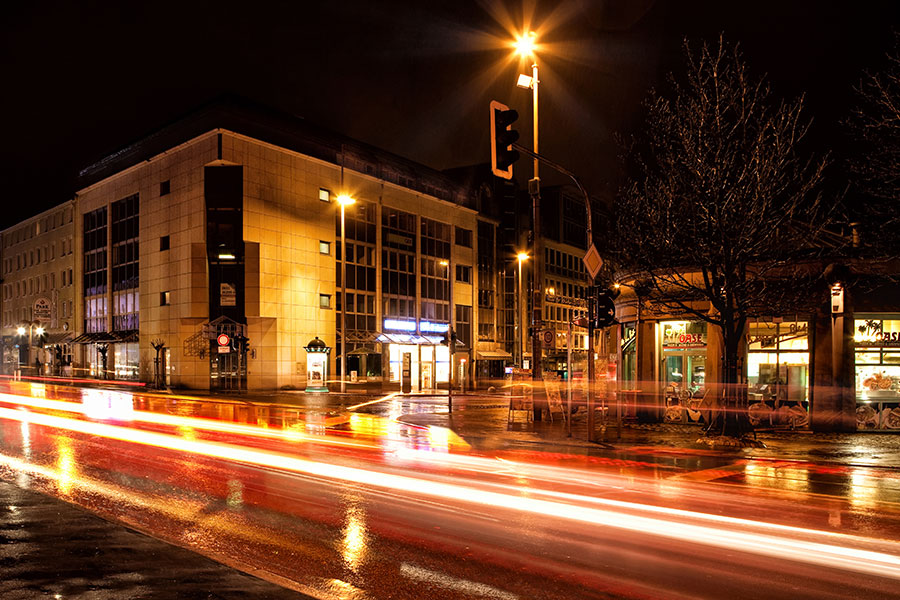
361,506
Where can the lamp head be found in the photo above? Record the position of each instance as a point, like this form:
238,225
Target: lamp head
522,256
525,44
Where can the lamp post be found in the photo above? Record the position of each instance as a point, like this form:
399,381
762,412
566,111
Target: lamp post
450,341
520,322
32,329
344,200
525,47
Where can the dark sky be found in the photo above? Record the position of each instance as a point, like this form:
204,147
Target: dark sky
84,78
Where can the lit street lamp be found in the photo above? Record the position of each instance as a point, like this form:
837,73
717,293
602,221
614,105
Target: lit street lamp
450,341
525,46
33,328
344,200
520,322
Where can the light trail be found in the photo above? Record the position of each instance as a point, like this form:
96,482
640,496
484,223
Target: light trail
179,421
376,401
823,553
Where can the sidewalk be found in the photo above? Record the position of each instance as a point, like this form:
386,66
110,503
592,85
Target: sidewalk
52,549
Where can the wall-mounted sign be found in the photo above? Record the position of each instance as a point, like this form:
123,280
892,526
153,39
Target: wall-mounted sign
579,302
683,334
837,298
429,327
227,294
398,325
41,310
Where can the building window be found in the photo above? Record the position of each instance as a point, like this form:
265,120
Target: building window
324,247
464,274
324,195
463,326
463,237
164,243
164,188
324,300
164,299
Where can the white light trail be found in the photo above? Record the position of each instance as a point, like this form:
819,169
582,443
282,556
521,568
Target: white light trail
876,563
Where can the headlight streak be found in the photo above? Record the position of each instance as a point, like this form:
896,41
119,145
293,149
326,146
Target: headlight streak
185,422
875,563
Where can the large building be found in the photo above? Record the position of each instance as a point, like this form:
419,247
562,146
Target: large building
208,256
38,294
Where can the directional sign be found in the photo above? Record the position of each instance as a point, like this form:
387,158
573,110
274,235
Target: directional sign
592,261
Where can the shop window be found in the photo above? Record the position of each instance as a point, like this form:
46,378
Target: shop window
877,373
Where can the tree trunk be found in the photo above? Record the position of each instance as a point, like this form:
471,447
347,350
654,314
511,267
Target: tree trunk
731,419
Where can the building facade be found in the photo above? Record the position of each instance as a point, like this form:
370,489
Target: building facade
227,224
38,294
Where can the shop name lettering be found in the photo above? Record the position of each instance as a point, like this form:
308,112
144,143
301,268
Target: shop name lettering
685,338
888,337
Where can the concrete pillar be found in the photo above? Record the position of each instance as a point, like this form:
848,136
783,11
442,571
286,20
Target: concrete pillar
843,366
823,399
650,403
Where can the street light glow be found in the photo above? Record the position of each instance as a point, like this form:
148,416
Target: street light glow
522,256
345,200
39,331
525,44
20,330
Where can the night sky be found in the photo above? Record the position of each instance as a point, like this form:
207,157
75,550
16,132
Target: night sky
415,78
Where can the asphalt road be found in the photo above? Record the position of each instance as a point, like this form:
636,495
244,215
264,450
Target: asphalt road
379,509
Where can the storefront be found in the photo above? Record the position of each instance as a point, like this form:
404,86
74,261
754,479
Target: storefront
683,372
425,349
778,372
877,371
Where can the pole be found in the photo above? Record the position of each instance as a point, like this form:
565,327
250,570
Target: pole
569,337
537,288
520,320
450,340
343,304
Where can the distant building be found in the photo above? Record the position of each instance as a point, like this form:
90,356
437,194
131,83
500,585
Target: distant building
37,296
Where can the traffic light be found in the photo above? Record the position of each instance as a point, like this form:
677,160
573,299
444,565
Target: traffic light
502,137
605,309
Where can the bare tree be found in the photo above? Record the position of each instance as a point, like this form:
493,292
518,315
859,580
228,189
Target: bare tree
721,211
875,163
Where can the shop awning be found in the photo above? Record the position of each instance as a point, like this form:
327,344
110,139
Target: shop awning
493,355
410,338
60,337
106,337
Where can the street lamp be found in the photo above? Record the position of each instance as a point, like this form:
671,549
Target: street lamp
344,200
525,46
33,328
450,341
520,322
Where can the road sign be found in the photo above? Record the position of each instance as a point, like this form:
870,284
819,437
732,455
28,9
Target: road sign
548,336
592,261
223,339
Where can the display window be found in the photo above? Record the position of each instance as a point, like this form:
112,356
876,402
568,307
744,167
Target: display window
877,372
778,372
683,345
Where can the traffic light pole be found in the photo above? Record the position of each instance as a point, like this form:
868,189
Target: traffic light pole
534,190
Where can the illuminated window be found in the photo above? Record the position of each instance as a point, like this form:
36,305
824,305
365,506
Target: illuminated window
324,300
324,195
164,298
324,247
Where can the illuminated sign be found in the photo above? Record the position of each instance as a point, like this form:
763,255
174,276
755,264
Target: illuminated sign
428,326
399,325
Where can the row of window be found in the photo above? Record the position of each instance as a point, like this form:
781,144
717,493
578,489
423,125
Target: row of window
48,223
37,256
37,285
12,318
561,263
